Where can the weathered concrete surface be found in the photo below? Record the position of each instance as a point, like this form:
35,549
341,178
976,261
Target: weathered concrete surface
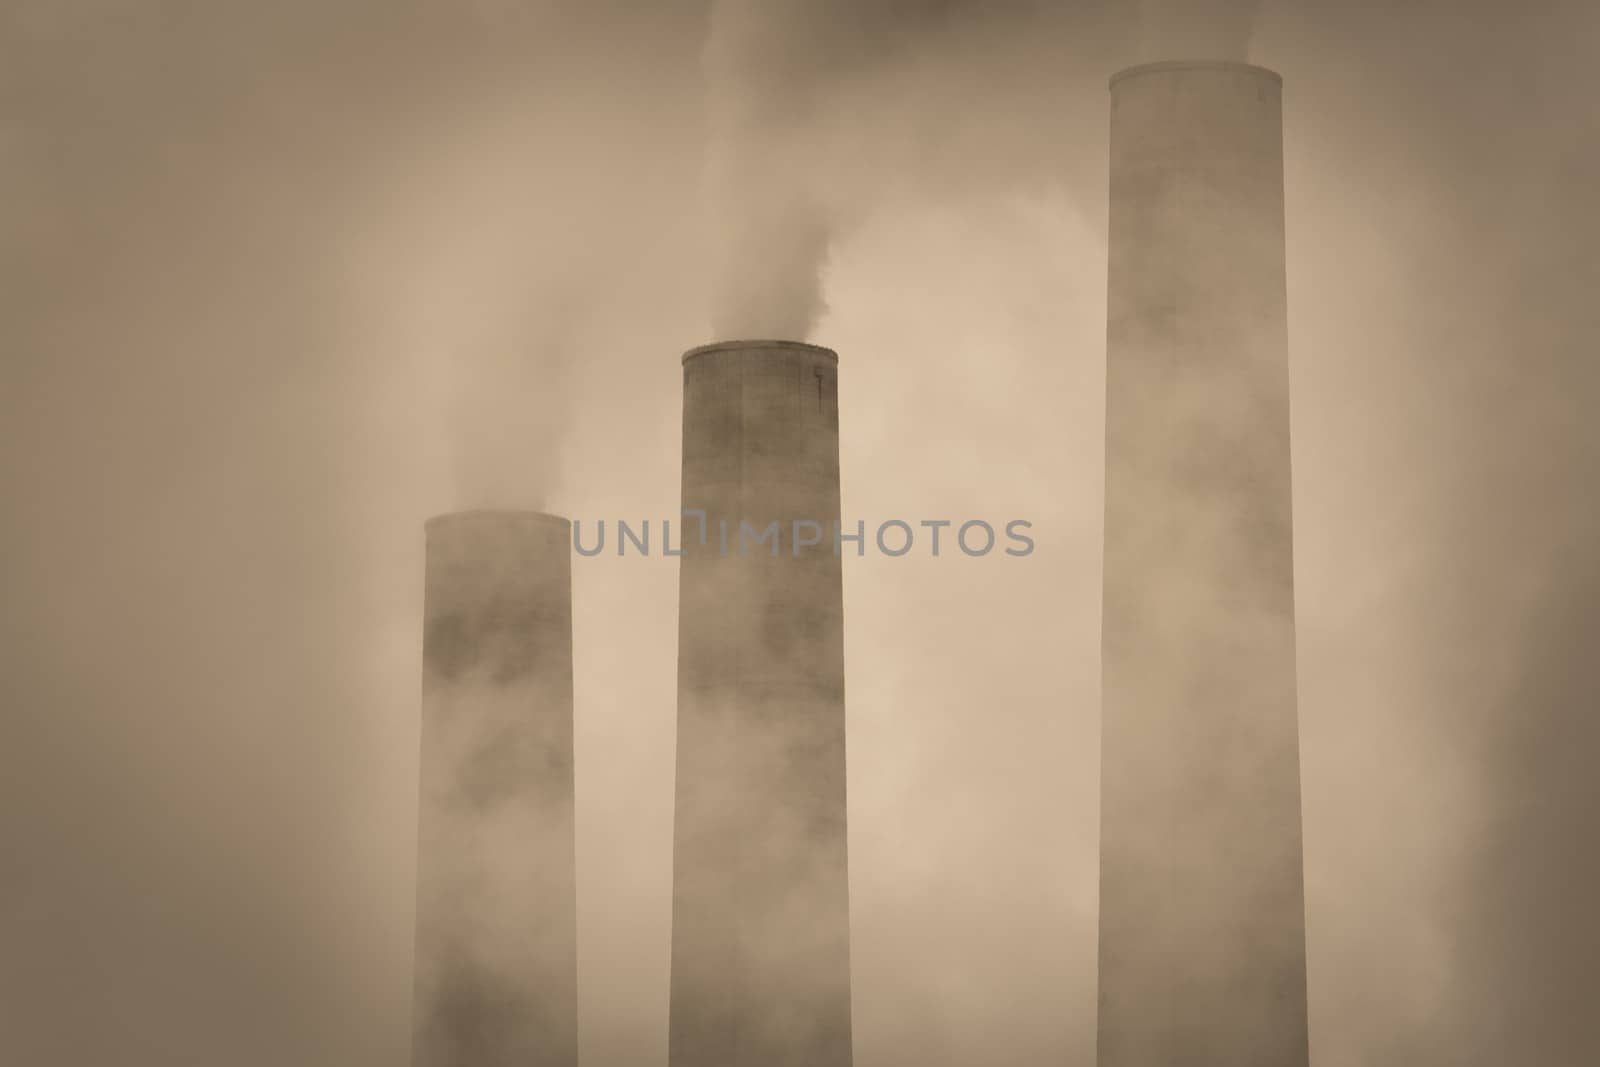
496,979
1202,927
760,909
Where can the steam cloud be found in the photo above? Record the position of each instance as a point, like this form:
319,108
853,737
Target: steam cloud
762,69
1196,29
509,417
805,105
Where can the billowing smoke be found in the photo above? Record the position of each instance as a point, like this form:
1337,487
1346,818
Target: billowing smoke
488,287
508,419
764,64
807,109
1196,29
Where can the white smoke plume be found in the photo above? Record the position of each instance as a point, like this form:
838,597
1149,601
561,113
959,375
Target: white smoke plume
1186,29
762,81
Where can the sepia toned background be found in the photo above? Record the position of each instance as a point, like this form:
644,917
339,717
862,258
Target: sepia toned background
278,281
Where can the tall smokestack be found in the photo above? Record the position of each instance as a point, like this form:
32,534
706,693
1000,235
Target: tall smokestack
496,979
760,898
1202,920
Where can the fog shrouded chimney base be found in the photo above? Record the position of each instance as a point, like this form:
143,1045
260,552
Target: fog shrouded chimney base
1202,911
496,944
760,906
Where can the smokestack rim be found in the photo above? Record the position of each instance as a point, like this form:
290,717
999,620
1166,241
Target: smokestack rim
497,515
744,346
1195,64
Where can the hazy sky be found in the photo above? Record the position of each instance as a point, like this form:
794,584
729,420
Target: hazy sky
277,281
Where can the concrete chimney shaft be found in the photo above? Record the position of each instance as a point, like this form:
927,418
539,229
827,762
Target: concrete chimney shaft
760,907
496,959
1202,925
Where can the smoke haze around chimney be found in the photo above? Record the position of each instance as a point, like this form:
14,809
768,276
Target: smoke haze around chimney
772,233
1184,29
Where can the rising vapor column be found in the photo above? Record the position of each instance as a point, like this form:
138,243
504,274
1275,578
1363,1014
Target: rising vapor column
760,906
1202,923
496,978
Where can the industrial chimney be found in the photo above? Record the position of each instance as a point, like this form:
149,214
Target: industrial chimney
496,948
1202,921
760,905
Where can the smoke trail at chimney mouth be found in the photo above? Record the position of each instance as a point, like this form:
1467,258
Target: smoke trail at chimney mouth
1221,28
760,343
1194,64
501,514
